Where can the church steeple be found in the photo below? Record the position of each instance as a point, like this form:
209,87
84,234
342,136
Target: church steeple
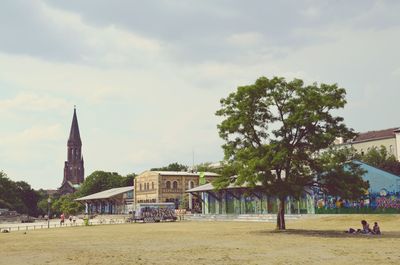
74,166
74,135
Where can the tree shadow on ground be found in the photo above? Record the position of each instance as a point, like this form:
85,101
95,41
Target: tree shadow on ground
326,233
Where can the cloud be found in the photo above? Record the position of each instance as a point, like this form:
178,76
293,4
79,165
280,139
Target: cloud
246,39
147,78
25,101
59,35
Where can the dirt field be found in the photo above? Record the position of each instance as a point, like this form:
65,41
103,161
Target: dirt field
312,240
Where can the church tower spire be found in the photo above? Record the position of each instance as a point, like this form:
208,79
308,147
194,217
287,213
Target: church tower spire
74,135
74,167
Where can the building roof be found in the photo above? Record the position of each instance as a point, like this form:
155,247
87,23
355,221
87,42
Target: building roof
210,187
182,173
379,179
376,135
106,194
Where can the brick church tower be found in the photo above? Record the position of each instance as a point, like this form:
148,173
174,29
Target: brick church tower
74,167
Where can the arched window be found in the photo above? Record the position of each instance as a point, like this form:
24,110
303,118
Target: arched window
168,184
152,185
191,184
148,186
391,150
175,185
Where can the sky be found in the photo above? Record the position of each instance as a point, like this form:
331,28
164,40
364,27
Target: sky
147,76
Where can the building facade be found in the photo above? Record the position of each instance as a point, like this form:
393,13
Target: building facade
238,200
169,186
74,170
389,138
112,201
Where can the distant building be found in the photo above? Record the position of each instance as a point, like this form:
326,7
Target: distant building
74,166
169,186
112,201
389,138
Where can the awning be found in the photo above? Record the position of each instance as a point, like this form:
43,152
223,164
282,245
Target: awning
106,194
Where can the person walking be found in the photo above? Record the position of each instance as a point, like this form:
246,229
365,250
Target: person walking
62,219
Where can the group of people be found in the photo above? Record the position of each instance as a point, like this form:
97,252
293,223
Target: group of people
72,219
366,229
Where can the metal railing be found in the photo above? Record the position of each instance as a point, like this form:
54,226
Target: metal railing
30,227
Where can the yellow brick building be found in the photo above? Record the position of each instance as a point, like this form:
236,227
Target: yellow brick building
168,186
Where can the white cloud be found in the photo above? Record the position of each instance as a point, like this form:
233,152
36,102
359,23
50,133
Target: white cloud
246,39
32,102
311,12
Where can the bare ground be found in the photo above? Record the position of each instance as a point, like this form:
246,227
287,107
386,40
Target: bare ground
311,240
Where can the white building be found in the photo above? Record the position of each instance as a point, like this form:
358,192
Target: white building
389,138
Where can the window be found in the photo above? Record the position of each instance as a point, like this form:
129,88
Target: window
152,185
391,150
168,184
140,186
148,186
191,184
175,185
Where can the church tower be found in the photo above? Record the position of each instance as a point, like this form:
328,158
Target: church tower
74,167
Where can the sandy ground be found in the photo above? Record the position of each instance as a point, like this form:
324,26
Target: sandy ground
310,240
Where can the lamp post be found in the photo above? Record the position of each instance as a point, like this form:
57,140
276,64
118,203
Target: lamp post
48,212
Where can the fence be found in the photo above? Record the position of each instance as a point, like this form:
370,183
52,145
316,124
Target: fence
100,221
363,210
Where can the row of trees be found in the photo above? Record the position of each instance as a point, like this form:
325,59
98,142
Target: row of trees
20,197
202,167
95,182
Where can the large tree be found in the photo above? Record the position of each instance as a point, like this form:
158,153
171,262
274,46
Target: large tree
274,132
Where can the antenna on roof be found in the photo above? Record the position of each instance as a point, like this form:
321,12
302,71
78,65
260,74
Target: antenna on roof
192,159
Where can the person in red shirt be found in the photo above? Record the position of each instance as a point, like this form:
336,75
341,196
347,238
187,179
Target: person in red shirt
62,219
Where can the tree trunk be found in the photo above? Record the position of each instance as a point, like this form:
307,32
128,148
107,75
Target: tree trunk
280,219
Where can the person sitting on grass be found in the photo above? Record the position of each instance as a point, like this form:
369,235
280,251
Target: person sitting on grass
376,230
365,229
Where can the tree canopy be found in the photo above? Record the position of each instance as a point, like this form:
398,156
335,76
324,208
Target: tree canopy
102,180
274,131
171,167
18,196
380,158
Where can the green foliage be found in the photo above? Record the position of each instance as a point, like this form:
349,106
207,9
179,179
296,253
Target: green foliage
42,205
339,175
128,179
66,204
183,203
18,196
380,158
172,167
274,131
206,167
101,180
